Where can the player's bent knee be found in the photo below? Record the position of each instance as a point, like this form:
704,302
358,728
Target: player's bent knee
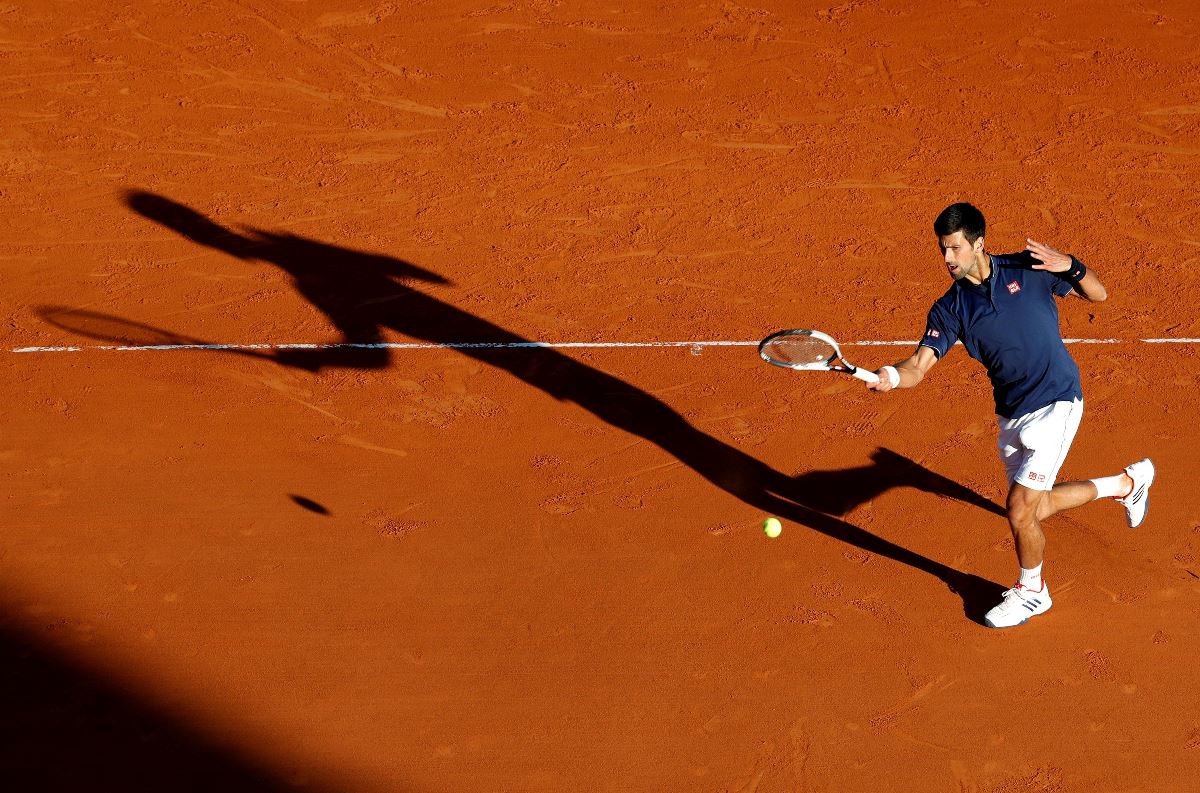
1046,508
1024,505
1021,520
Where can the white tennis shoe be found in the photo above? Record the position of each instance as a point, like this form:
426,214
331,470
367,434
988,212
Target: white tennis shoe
1018,605
1142,474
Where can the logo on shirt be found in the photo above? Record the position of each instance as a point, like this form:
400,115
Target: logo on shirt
933,333
1036,477
1013,287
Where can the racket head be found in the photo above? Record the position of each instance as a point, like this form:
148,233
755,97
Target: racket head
116,332
801,349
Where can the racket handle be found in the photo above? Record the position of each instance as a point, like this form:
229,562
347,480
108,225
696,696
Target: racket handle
865,375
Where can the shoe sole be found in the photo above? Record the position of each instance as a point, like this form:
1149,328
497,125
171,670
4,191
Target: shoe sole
1146,489
1145,511
988,622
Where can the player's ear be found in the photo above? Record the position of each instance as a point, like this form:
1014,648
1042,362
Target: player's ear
978,246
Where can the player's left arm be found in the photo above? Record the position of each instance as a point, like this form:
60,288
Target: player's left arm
1085,282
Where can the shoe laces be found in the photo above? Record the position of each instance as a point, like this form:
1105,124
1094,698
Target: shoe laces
1021,589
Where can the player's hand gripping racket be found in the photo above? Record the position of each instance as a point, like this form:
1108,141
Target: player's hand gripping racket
809,351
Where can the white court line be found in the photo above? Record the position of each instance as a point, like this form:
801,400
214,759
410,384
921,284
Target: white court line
483,345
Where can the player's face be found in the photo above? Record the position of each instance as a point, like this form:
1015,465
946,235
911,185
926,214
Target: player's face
961,257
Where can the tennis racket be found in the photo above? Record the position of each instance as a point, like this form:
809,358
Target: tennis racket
809,351
124,334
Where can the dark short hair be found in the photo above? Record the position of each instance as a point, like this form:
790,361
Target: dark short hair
961,217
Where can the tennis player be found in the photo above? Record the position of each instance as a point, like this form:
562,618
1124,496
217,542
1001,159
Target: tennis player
1003,309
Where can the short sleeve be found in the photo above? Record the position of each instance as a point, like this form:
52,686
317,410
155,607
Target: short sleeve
941,330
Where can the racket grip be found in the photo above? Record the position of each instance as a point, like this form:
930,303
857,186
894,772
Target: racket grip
866,375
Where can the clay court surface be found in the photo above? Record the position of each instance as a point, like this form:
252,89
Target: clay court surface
483,569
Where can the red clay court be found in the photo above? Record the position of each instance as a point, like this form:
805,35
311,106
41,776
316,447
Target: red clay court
468,563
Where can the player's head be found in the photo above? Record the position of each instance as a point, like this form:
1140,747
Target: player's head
960,231
962,217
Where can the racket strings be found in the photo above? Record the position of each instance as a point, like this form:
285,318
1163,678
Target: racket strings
799,350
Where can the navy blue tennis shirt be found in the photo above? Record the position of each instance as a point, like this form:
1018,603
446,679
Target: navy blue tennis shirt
1009,323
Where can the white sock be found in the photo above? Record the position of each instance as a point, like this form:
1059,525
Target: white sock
1111,486
1032,578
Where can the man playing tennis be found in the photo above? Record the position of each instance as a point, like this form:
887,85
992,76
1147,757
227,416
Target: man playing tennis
1002,309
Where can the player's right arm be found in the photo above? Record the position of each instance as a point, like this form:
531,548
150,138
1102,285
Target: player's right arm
911,370
942,329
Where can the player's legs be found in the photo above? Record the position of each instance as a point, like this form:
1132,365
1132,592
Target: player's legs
1033,448
1129,488
1024,504
1068,495
1030,596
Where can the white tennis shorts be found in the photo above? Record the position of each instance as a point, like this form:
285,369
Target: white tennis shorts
1034,446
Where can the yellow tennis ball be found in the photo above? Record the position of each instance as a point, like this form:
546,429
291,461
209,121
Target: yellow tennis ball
772,527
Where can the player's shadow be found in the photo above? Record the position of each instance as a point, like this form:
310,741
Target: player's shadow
363,293
838,492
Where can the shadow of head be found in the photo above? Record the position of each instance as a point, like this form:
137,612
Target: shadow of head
838,492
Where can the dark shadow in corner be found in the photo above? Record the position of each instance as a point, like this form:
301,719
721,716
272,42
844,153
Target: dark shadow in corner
360,294
63,727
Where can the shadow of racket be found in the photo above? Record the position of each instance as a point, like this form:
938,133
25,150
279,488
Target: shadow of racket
124,334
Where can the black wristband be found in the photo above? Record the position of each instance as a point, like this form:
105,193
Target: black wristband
1076,273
